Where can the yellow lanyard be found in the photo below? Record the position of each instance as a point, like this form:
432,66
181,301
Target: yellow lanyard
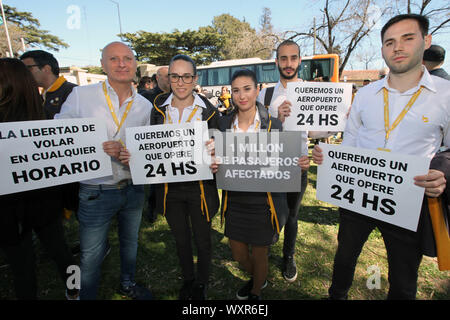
402,114
113,113
179,120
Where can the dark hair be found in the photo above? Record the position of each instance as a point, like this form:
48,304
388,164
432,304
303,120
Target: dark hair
143,81
19,95
42,58
184,58
244,73
423,22
288,43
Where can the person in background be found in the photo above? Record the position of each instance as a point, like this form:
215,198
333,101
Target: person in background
145,84
288,61
45,69
34,210
433,59
225,101
162,86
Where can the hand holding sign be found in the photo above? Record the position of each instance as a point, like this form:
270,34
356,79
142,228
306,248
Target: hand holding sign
434,183
112,148
284,110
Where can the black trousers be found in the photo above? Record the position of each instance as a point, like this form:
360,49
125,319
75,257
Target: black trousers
403,253
184,216
291,228
21,257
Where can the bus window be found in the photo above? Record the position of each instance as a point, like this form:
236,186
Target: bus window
218,76
234,69
202,78
313,69
267,73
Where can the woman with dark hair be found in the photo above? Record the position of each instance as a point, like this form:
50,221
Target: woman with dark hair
251,218
188,206
35,210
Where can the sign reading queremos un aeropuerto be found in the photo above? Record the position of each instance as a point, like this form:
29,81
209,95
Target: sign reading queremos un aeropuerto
44,153
169,153
258,162
374,183
318,106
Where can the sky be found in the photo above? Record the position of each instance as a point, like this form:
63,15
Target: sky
88,25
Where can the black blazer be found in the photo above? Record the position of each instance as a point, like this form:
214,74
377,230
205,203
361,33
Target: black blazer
211,115
267,123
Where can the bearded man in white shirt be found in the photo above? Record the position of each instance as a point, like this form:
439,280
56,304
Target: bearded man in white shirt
118,104
288,62
421,132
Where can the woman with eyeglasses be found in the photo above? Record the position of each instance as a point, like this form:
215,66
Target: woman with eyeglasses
252,219
187,204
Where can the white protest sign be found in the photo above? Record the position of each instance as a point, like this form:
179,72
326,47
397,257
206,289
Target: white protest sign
374,183
169,153
318,106
39,154
258,162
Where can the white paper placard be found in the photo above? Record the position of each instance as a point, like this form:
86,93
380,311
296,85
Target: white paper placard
318,106
169,153
44,153
374,183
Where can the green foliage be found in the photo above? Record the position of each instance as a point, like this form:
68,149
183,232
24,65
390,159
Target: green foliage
30,30
203,45
227,38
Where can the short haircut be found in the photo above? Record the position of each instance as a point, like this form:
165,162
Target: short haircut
184,58
423,22
244,73
288,43
144,80
42,58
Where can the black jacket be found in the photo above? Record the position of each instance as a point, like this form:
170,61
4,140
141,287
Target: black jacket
267,123
211,115
55,98
150,95
440,73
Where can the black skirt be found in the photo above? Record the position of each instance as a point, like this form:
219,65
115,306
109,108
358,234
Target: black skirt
247,218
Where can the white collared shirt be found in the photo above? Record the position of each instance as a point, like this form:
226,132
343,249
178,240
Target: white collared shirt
279,96
419,133
173,114
90,102
254,127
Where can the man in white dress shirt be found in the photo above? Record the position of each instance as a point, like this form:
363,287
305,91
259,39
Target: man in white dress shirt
117,103
421,132
288,62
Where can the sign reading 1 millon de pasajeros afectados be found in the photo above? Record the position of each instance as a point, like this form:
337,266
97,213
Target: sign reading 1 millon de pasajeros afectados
258,162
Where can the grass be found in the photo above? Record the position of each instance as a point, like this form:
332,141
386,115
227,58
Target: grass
158,267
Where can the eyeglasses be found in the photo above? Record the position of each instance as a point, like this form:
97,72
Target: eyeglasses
32,65
187,78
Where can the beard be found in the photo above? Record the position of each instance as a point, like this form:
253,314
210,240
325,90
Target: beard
285,76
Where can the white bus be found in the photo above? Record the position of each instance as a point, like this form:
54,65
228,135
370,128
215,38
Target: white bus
218,74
